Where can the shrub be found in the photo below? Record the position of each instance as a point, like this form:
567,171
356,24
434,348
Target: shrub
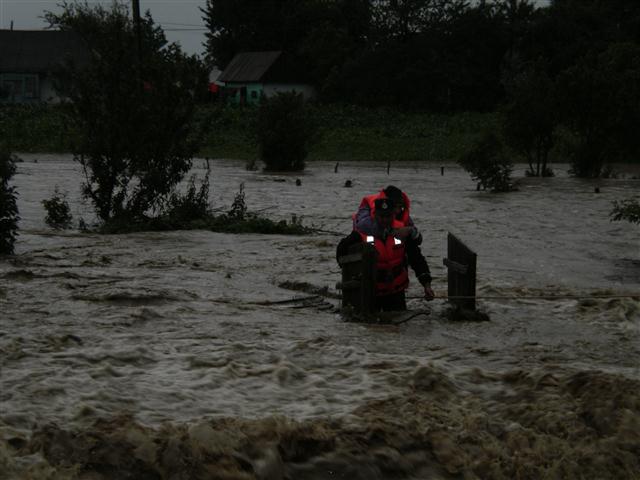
194,204
238,209
488,164
628,210
58,212
285,132
8,207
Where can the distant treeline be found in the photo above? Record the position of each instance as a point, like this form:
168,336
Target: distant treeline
436,55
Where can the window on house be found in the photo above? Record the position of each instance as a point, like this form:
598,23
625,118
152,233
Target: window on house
254,94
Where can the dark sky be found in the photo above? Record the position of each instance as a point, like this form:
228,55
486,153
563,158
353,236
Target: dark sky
181,19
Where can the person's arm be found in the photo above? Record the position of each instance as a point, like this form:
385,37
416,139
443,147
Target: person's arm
420,267
414,233
364,222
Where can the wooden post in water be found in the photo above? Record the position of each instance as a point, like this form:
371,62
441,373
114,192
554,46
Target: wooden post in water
358,279
461,273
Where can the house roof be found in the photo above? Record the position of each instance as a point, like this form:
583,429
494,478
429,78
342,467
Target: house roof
38,51
249,66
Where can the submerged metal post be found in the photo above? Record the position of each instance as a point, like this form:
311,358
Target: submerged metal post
461,273
358,279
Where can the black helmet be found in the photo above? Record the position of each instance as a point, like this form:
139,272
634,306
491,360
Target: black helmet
394,193
384,206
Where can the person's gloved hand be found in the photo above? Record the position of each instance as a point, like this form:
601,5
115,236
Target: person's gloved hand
403,232
428,293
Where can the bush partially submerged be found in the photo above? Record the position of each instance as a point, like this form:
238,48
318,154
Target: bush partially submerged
628,210
8,207
191,212
58,212
285,132
194,204
488,164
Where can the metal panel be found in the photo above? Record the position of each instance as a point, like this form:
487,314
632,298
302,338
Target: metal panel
358,279
461,264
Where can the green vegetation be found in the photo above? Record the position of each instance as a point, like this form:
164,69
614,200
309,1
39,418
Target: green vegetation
345,132
488,165
224,223
285,132
357,133
132,111
191,212
8,209
37,128
394,80
348,132
628,210
58,212
575,66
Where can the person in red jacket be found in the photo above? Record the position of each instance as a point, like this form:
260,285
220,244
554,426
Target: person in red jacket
364,218
394,253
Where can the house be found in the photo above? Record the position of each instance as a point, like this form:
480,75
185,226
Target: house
27,60
252,75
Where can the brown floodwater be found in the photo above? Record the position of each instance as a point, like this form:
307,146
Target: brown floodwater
157,355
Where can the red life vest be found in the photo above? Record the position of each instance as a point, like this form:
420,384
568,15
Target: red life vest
391,275
369,201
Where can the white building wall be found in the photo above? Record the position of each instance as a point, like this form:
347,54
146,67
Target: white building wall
307,91
47,92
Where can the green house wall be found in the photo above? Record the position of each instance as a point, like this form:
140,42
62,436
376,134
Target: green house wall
254,92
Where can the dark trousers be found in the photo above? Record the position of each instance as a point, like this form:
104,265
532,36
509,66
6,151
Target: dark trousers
391,303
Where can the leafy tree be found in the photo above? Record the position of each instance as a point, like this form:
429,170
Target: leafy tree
488,164
600,103
628,210
530,119
285,132
8,207
133,110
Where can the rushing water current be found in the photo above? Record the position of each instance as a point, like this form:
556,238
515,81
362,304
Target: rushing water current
159,355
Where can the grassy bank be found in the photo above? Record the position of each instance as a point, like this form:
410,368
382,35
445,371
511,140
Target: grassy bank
346,132
36,128
354,133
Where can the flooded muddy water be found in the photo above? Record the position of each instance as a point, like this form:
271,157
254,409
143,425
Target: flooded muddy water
158,355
